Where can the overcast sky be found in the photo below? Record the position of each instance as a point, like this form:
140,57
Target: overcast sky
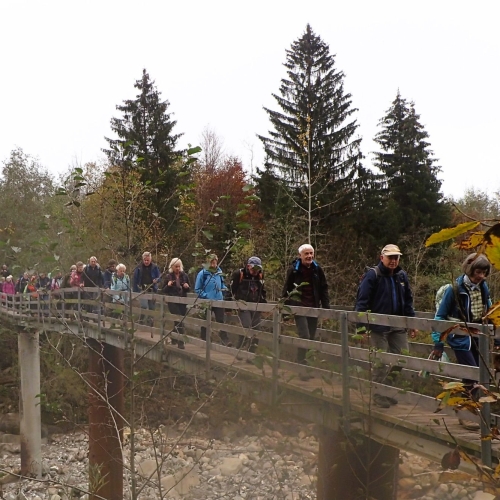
66,65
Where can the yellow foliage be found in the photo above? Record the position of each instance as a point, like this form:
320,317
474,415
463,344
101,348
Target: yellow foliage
470,243
451,232
457,401
491,245
493,314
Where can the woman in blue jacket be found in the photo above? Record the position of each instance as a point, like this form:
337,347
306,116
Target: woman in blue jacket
467,300
210,285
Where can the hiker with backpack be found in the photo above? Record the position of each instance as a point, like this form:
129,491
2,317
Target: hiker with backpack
247,284
466,300
210,285
306,286
385,289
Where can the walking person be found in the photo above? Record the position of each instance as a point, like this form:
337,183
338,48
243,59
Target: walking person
9,290
92,277
247,284
145,279
306,286
385,289
210,285
467,300
120,282
176,284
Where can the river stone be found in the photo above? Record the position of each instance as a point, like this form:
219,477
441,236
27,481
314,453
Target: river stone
482,495
231,466
147,468
180,482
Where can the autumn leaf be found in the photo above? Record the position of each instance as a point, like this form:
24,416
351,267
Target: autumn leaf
493,314
453,385
488,399
451,460
463,328
470,243
457,401
451,232
491,245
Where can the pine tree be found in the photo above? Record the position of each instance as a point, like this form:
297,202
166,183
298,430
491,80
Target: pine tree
312,148
146,142
413,197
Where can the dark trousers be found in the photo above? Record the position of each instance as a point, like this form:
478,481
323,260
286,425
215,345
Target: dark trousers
150,305
306,328
469,358
249,319
219,313
180,310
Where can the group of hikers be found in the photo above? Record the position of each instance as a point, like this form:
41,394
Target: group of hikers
384,289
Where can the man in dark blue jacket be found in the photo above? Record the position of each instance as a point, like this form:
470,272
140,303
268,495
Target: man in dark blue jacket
386,290
146,278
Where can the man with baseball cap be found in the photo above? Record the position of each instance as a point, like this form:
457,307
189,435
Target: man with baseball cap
247,284
385,289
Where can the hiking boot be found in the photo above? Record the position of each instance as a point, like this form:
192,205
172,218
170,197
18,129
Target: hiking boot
380,397
470,425
381,401
305,377
180,344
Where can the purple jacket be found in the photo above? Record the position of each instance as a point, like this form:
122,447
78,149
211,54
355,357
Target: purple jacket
9,287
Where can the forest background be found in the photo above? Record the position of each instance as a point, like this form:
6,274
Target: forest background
315,185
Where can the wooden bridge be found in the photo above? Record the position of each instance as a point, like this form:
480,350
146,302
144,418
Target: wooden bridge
337,395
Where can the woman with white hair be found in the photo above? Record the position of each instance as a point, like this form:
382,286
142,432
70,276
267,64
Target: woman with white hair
176,284
120,282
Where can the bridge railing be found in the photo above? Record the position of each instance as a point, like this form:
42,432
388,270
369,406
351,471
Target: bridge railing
117,309
349,363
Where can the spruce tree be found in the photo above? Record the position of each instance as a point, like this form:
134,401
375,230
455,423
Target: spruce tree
312,148
412,198
146,142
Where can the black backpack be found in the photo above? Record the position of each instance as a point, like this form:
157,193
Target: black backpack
378,274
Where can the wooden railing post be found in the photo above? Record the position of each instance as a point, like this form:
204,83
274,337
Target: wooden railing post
276,353
208,340
162,316
346,402
484,379
62,300
100,305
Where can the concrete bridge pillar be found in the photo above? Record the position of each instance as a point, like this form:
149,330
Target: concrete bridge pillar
29,404
106,405
355,467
